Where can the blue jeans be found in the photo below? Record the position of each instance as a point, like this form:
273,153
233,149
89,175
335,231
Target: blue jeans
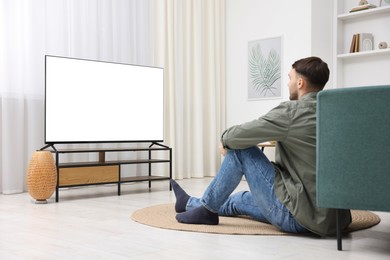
260,202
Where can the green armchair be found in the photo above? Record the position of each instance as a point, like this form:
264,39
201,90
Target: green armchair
353,149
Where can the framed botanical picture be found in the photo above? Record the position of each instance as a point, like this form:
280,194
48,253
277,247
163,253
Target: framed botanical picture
264,68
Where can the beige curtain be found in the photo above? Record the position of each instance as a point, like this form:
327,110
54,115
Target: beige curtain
195,84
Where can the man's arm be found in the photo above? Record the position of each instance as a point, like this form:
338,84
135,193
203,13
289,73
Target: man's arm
273,126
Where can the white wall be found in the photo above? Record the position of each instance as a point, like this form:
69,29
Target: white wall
306,30
322,34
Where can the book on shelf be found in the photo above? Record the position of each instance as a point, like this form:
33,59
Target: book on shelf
362,42
362,7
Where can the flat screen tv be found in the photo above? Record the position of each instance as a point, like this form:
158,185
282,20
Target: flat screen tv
89,101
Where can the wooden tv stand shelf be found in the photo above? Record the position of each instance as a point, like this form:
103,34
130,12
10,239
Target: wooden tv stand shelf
73,174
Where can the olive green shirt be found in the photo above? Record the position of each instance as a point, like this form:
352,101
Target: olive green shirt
293,125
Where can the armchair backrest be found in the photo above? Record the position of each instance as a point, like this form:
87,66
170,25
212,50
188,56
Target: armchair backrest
353,148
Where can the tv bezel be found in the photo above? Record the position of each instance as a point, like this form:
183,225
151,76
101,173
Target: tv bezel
52,143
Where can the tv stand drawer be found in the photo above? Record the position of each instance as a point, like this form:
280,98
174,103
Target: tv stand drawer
88,175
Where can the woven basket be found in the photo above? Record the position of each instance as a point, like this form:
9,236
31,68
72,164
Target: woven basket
41,178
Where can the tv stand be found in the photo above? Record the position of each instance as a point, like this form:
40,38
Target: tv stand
73,174
47,146
155,143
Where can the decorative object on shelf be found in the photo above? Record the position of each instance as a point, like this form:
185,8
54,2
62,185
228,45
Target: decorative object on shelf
363,2
385,2
366,42
361,7
382,45
41,178
362,42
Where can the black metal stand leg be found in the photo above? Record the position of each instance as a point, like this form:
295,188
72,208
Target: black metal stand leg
119,180
339,231
150,169
170,168
57,193
58,176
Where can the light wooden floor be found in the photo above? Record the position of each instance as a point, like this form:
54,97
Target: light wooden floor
94,223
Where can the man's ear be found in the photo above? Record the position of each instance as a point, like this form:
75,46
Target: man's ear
300,82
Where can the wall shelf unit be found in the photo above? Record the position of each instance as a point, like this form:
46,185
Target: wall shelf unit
364,54
364,13
364,68
72,174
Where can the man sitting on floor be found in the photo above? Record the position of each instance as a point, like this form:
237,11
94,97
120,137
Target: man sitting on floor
282,193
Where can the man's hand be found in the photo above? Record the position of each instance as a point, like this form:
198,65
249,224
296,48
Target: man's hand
222,150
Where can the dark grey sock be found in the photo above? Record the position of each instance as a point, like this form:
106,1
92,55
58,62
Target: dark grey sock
199,215
181,197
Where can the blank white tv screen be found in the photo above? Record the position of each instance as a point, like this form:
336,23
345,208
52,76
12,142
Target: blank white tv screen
94,101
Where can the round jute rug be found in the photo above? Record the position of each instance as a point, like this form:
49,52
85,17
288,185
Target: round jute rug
163,216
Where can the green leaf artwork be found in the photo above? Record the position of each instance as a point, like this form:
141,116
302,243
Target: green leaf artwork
264,71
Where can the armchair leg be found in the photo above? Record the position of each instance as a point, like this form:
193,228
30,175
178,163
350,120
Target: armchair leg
338,230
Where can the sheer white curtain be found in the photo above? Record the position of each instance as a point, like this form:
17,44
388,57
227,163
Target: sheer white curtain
112,30
186,37
195,81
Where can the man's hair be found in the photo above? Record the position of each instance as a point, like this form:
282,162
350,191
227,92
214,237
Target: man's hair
314,69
